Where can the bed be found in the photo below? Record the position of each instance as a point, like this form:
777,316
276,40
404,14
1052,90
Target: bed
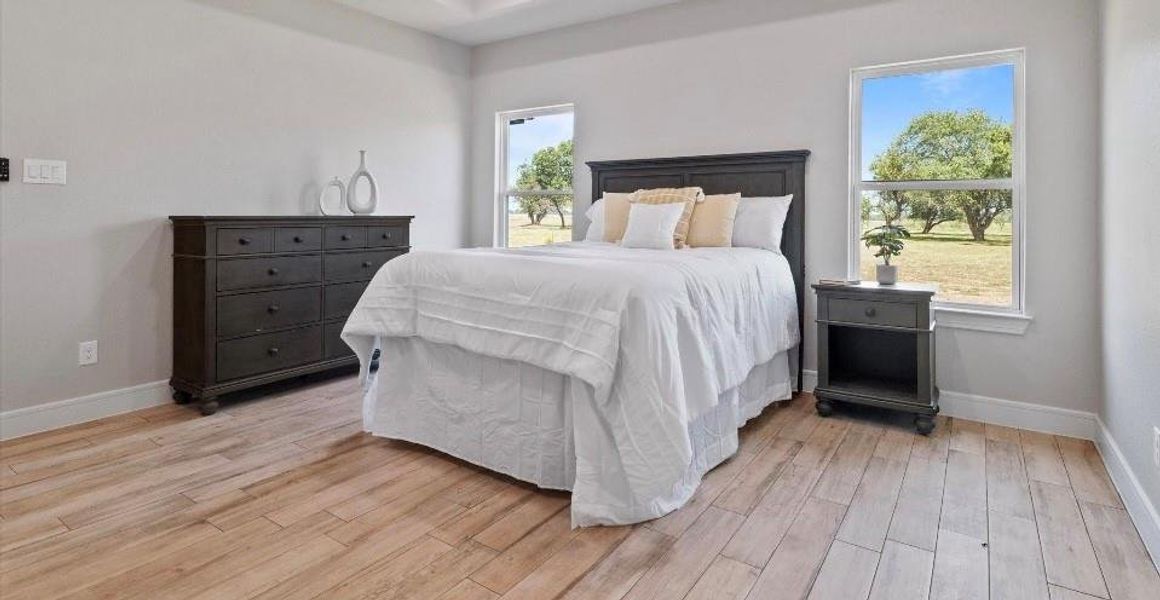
621,375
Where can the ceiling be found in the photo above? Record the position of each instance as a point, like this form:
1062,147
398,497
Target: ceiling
474,22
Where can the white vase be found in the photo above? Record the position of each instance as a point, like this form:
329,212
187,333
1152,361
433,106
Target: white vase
887,274
357,206
332,210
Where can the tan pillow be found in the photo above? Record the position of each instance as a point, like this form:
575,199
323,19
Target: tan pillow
712,222
615,215
688,195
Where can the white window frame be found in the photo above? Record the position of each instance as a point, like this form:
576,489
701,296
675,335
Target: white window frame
972,316
502,189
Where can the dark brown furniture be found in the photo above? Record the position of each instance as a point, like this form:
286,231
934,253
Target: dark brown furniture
753,175
876,347
260,299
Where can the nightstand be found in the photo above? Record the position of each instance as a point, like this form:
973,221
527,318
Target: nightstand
876,347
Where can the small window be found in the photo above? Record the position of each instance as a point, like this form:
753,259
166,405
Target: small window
534,176
936,148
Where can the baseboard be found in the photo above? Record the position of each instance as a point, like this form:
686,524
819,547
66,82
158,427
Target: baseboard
1136,500
35,419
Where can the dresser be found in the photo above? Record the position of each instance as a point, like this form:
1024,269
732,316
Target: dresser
876,347
261,299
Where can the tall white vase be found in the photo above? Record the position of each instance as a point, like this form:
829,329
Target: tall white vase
357,206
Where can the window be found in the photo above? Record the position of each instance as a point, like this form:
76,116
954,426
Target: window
534,176
936,147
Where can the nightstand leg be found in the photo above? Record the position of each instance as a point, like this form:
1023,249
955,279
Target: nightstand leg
924,424
181,397
824,407
208,405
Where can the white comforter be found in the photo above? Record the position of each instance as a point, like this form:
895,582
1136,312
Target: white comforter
657,334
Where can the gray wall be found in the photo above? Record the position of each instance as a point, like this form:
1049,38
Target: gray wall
1130,256
747,75
172,107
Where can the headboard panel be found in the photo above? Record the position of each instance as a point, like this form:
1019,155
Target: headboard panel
755,174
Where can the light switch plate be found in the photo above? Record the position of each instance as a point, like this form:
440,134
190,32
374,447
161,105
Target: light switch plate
87,353
42,171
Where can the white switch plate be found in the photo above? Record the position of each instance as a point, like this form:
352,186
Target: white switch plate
87,353
42,171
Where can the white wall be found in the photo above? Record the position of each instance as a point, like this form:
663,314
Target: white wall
750,75
1130,210
168,107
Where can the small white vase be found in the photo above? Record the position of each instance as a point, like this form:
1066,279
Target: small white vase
332,210
357,206
887,274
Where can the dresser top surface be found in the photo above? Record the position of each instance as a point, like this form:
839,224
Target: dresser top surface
286,218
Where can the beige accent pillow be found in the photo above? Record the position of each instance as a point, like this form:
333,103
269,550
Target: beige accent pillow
690,196
615,215
712,222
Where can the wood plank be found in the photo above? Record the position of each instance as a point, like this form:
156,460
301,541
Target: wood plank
1041,455
479,517
267,574
895,444
868,519
844,472
442,574
1127,568
559,572
791,570
903,573
1068,556
520,559
846,574
725,579
742,494
677,571
389,572
1007,487
613,577
469,590
1016,560
933,447
967,436
964,508
21,531
960,568
916,516
1086,471
715,482
517,523
1058,593
1001,433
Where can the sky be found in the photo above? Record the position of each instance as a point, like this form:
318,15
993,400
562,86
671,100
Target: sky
526,138
889,103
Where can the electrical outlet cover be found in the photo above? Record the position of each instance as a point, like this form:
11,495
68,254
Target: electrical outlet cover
87,353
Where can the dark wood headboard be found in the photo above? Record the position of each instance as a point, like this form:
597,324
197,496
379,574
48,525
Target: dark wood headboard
754,174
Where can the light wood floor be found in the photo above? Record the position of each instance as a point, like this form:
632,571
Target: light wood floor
283,497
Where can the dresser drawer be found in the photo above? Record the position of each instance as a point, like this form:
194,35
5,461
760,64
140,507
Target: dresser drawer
298,239
262,311
242,273
394,235
350,266
249,240
870,312
333,346
345,237
269,352
341,298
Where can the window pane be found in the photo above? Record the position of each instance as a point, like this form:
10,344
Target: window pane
938,125
960,240
539,220
539,158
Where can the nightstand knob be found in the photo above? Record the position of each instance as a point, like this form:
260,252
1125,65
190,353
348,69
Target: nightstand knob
346,237
367,264
273,308
297,239
272,352
273,271
870,312
245,241
387,236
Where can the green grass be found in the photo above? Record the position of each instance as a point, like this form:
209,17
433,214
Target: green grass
521,232
965,270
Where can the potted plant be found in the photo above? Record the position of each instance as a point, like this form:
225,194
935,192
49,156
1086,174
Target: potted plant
888,240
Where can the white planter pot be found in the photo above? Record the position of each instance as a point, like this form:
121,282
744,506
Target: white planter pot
887,274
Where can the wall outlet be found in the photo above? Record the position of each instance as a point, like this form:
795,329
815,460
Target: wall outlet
1156,446
87,353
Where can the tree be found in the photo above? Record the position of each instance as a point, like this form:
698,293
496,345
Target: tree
549,168
891,165
933,208
944,145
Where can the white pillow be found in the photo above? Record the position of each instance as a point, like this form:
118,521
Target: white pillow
595,216
760,221
652,225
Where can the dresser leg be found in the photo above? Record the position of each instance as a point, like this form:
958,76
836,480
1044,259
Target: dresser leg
824,407
924,424
181,397
208,405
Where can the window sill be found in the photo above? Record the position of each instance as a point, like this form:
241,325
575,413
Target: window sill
982,320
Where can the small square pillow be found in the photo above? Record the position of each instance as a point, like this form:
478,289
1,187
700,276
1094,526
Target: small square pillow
652,225
760,221
712,222
615,214
595,216
688,196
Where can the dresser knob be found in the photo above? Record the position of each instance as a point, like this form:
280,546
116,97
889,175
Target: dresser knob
367,264
387,235
272,352
245,241
346,237
297,239
870,312
273,271
273,308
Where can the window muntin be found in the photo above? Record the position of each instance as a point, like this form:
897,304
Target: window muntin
936,145
534,176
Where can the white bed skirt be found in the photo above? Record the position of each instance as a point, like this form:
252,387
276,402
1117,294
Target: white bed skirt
519,420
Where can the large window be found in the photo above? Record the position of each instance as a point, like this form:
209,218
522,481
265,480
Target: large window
534,176
936,147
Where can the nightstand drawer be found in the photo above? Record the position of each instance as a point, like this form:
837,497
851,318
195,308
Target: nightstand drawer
870,312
